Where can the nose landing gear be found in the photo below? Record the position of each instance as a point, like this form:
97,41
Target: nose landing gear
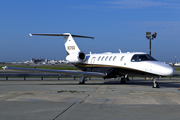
155,83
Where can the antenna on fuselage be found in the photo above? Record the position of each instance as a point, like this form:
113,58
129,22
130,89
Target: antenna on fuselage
119,50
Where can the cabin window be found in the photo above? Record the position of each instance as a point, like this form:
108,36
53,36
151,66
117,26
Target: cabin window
106,58
99,58
110,58
122,58
102,58
114,58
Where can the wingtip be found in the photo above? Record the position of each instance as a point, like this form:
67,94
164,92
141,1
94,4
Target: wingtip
30,34
5,67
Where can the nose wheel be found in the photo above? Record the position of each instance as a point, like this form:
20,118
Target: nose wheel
155,83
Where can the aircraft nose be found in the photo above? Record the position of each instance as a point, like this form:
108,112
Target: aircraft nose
164,69
169,71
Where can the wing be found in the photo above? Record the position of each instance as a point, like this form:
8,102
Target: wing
64,72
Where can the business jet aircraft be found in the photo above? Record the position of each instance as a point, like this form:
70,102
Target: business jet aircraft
107,65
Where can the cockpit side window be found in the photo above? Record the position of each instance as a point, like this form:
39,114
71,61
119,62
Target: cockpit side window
134,58
142,57
151,57
146,57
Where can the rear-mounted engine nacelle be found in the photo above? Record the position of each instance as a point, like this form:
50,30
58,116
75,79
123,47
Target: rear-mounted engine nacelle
76,57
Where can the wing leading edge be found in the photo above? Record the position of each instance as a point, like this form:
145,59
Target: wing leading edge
64,72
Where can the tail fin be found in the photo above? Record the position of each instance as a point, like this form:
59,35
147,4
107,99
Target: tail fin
70,45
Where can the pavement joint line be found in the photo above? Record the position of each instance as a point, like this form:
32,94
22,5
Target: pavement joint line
64,111
89,94
107,88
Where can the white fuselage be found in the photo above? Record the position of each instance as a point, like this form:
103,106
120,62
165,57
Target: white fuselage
125,62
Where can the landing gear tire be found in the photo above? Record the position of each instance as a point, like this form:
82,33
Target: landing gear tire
83,82
155,85
124,79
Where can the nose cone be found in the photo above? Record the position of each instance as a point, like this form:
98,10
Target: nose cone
163,69
168,71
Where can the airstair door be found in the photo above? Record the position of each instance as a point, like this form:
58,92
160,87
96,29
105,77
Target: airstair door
92,61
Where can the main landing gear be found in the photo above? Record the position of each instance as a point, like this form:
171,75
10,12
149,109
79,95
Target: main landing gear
155,83
124,79
82,80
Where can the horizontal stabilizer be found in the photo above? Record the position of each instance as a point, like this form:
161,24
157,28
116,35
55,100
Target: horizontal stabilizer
64,34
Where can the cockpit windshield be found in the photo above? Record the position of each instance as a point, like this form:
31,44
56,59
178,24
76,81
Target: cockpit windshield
142,57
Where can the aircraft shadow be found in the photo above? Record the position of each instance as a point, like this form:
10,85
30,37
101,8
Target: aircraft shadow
146,83
162,84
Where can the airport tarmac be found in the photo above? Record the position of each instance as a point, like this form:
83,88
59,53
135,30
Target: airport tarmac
65,99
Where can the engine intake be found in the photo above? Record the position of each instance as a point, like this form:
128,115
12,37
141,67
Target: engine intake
76,57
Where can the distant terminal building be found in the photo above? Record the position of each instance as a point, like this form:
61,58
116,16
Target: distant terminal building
37,61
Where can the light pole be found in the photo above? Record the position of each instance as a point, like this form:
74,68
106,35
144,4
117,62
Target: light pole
148,36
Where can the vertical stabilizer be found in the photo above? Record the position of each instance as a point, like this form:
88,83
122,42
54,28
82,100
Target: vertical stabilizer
70,45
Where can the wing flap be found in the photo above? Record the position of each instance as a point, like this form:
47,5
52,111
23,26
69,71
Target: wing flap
64,72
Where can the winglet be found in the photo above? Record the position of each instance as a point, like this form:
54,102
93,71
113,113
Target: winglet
5,67
30,34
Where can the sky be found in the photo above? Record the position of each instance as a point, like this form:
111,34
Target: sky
115,24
